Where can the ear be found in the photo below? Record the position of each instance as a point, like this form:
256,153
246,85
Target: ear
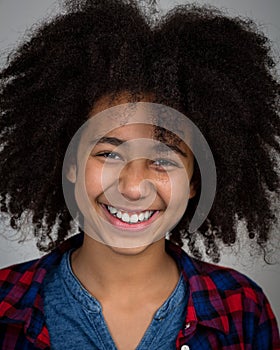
71,174
195,181
193,188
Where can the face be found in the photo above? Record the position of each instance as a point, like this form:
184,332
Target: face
136,187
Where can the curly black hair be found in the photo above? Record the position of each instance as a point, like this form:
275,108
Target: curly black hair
215,69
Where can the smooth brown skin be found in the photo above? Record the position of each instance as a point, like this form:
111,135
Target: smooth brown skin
130,288
130,283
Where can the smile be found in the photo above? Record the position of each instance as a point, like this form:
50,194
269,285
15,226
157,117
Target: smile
130,218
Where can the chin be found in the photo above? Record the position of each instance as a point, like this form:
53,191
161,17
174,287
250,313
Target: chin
130,251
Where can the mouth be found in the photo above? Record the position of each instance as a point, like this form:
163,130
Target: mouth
126,219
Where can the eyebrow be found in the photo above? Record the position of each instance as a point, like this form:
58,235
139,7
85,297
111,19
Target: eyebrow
117,142
111,140
174,148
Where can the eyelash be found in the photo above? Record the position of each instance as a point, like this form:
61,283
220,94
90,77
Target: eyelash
166,162
109,155
162,162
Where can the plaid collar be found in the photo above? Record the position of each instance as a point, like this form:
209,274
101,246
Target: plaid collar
205,304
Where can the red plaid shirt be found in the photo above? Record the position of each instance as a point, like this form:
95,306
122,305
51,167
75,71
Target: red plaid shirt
225,310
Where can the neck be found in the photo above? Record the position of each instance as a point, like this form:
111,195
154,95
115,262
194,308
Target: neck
104,270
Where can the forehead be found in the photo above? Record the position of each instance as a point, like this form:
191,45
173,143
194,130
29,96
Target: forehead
133,131
146,129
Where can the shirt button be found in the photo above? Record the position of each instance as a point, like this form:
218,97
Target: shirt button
185,347
187,326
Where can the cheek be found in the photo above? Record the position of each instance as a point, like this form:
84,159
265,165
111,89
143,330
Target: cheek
172,189
179,188
93,174
164,189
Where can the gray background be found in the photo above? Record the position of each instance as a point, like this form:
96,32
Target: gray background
17,16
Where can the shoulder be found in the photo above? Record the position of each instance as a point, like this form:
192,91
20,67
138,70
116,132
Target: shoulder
242,301
33,272
26,271
22,282
238,292
17,280
234,287
21,304
225,278
233,291
205,275
224,299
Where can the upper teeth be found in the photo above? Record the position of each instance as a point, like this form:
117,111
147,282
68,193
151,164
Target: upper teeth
131,218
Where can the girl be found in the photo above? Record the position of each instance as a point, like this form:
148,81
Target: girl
92,77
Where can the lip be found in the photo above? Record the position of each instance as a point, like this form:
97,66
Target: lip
126,226
130,210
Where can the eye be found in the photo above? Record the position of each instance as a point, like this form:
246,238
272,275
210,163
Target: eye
109,155
164,163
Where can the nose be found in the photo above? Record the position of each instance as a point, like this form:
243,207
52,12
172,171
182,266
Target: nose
134,182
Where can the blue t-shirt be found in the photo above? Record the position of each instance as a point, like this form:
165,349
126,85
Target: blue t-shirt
75,321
